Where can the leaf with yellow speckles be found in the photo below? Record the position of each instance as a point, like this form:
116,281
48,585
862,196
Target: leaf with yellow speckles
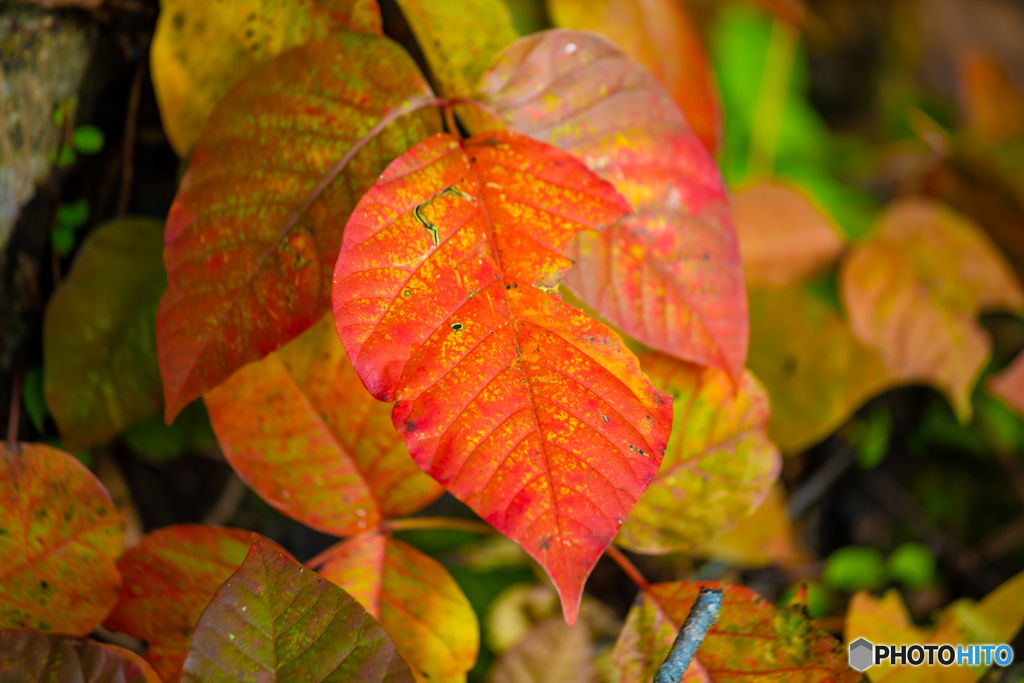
99,341
660,35
459,38
32,657
415,599
275,618
253,233
302,431
719,464
764,538
236,37
60,536
670,274
169,578
531,413
914,289
752,640
994,619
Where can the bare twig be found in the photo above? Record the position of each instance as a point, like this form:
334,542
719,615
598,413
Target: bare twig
703,614
631,571
14,415
821,481
131,121
105,635
227,505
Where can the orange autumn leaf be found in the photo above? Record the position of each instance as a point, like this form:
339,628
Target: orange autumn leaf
752,640
1009,384
783,237
719,463
236,37
60,536
33,657
914,289
415,599
659,35
531,413
169,577
299,428
991,99
670,274
252,236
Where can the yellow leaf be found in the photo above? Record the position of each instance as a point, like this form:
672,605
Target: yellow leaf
201,49
765,537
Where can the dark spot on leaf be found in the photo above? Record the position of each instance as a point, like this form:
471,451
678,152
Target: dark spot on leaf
604,417
410,426
44,585
179,20
789,366
456,327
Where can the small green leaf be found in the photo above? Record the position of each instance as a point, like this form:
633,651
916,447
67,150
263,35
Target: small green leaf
872,438
854,568
74,215
35,401
63,239
66,157
913,565
87,139
157,441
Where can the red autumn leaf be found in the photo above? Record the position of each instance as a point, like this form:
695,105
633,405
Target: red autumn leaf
669,275
659,35
33,657
274,618
59,538
751,641
531,413
301,430
1009,384
169,577
415,599
252,235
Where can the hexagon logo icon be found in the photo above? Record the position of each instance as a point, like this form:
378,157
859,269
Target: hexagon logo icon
861,652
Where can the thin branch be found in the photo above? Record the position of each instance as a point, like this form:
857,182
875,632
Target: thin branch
227,505
821,481
14,415
631,571
131,121
105,635
703,614
454,523
449,121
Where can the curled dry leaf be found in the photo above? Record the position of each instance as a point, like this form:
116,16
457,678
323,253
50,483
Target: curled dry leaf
33,657
719,463
459,39
763,538
301,431
415,599
752,640
1009,384
99,345
550,652
168,580
252,236
914,289
60,536
531,413
202,49
668,275
816,372
275,618
784,238
660,35
996,619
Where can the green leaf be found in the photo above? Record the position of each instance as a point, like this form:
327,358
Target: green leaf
819,601
66,157
913,565
872,438
73,215
276,618
853,568
87,139
99,336
35,401
155,440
